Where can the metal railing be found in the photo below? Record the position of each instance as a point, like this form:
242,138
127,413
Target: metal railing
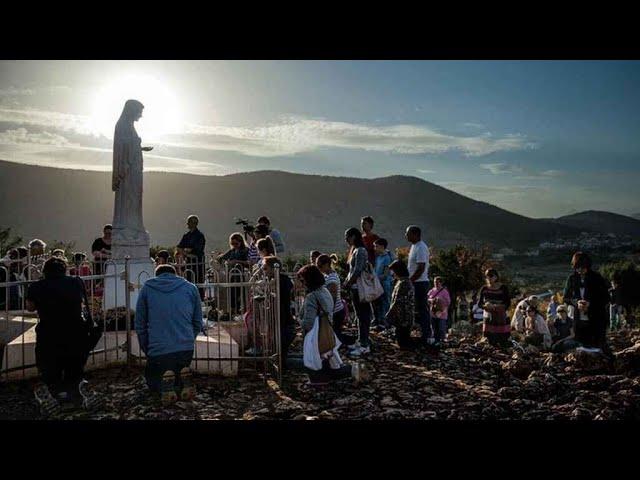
241,311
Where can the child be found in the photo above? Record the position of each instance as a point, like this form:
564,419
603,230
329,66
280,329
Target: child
383,260
535,329
562,325
402,309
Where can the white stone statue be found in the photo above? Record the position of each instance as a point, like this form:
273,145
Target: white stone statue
128,227
129,236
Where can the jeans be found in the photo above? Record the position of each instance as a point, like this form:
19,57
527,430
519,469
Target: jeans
363,312
565,345
158,365
61,369
381,305
403,337
338,325
439,327
328,374
614,316
423,315
287,335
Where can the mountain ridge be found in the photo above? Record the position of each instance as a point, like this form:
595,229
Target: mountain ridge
312,211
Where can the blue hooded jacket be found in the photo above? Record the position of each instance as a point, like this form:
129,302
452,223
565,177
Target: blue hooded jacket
168,315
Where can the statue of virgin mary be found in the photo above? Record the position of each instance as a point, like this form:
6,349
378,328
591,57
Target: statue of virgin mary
128,227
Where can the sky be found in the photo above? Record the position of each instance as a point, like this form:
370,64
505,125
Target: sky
538,138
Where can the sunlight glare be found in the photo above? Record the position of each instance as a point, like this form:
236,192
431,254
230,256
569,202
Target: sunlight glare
161,116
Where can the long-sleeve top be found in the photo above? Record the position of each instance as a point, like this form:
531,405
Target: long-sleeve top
444,300
357,263
496,321
193,239
310,308
278,243
517,319
233,254
593,288
540,327
402,310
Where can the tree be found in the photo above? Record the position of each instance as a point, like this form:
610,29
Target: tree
7,241
461,267
627,276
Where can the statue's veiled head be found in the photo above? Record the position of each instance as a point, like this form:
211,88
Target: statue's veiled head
132,110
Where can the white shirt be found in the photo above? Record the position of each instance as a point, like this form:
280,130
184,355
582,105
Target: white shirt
419,253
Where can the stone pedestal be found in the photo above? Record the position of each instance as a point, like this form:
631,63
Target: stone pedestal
141,268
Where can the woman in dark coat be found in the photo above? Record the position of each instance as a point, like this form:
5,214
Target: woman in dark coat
587,291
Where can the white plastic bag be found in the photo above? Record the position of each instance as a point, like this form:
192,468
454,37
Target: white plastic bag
369,286
311,354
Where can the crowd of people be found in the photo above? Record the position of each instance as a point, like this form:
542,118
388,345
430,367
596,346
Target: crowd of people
382,293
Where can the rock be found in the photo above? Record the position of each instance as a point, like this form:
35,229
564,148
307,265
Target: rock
628,360
519,366
388,402
589,362
597,382
302,416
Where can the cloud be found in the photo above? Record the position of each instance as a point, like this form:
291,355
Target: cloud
522,173
304,135
493,190
15,92
501,168
425,171
42,118
22,136
291,136
553,173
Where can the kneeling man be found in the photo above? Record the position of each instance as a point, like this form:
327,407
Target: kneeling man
168,320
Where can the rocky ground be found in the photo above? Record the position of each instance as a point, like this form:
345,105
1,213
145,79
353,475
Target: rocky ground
469,380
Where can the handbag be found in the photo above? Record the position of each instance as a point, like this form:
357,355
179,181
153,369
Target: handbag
94,331
369,286
326,335
435,303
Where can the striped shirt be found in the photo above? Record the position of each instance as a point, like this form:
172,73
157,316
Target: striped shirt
328,280
253,255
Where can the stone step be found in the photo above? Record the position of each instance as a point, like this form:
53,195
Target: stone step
111,350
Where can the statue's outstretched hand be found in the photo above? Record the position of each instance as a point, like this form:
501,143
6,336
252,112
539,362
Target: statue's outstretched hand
147,149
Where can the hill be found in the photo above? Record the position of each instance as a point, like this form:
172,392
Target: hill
604,222
311,211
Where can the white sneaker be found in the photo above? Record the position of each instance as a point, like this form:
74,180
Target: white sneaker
359,351
355,352
353,346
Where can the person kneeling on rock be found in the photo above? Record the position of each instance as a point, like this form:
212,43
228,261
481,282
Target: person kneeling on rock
168,320
536,332
61,338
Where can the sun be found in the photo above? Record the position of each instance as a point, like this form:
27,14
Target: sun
162,114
